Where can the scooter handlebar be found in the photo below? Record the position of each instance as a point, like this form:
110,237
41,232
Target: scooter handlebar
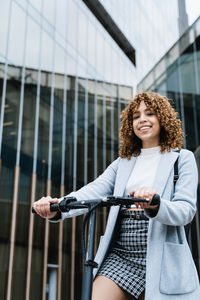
71,203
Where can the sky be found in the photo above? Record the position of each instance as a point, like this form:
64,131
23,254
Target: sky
193,10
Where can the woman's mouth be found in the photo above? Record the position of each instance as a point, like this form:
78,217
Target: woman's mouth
144,128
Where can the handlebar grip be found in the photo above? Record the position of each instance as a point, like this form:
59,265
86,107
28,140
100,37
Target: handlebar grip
53,207
155,200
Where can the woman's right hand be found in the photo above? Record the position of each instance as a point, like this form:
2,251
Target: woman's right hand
42,207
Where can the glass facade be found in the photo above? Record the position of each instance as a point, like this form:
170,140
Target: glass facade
66,124
177,75
63,83
151,26
64,36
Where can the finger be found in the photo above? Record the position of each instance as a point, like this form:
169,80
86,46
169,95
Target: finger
132,193
139,193
145,205
139,205
53,200
136,204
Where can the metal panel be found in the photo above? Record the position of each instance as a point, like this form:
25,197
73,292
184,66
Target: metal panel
12,231
86,136
95,131
73,241
30,237
46,243
60,243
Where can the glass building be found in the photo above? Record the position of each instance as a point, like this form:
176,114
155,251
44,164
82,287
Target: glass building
177,76
67,69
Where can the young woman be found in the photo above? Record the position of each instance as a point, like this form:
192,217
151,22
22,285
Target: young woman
144,253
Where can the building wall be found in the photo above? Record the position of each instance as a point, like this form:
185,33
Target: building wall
151,26
65,37
63,84
56,137
177,76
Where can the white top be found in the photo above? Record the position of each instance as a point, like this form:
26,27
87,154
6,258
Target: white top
144,171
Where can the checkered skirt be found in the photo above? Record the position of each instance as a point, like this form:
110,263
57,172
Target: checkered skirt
126,261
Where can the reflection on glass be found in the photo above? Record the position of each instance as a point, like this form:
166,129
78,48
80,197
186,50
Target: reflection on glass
108,131
99,135
69,136
80,135
90,137
104,116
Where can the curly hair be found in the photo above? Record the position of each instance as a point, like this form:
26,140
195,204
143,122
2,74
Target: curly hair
171,133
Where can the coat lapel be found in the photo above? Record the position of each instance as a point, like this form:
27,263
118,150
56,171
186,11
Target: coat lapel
165,166
124,170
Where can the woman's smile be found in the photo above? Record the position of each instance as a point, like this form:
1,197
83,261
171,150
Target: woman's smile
145,128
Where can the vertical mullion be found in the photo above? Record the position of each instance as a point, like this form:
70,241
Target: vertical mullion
64,131
30,238
86,119
73,240
196,75
75,133
74,188
112,129
104,129
95,112
33,187
181,99
34,172
86,135
95,155
62,187
118,111
60,243
95,131
17,171
46,235
104,146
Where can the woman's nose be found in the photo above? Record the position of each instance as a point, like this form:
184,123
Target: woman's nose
142,118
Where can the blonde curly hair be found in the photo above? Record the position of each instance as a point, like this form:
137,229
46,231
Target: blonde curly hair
171,133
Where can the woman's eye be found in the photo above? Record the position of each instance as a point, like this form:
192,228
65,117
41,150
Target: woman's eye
150,114
135,117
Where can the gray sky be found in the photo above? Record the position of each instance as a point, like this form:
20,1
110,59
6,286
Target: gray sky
193,10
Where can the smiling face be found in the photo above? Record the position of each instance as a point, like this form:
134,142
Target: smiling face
146,126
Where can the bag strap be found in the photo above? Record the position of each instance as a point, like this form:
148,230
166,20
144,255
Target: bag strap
176,176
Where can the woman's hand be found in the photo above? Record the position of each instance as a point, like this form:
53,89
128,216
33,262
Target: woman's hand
144,192
42,207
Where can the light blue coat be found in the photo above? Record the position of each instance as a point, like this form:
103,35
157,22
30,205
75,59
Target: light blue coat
170,270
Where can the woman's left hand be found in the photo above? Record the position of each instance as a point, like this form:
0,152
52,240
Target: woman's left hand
144,192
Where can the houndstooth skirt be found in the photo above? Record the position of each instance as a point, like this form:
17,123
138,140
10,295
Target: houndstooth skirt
126,261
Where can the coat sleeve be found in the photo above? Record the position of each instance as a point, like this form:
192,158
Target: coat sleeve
97,189
182,207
